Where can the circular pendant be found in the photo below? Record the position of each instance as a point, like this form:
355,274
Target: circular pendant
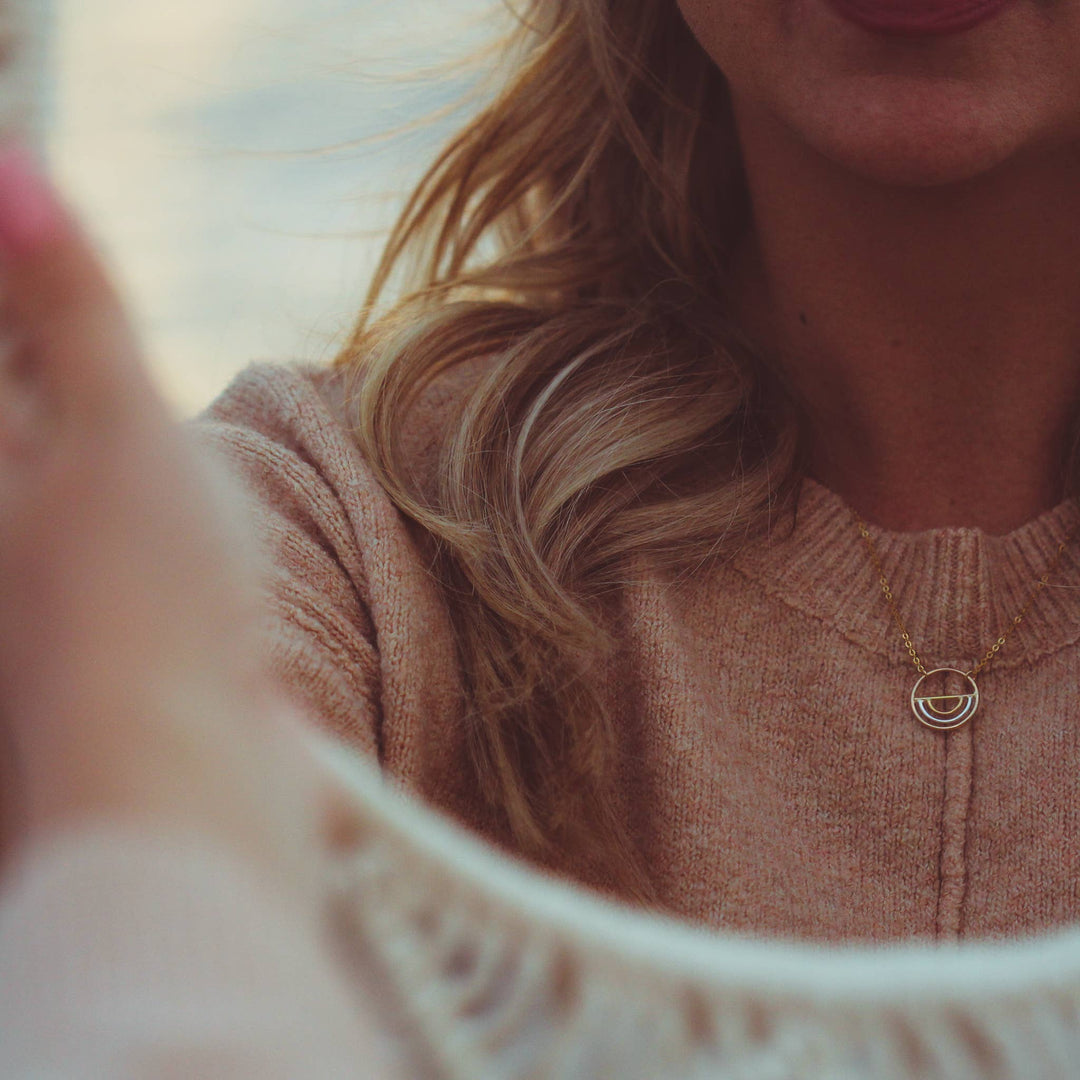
948,700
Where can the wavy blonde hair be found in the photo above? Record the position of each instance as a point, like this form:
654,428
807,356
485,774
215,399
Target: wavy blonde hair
577,236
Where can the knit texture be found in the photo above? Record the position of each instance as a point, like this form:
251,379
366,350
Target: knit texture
497,973
774,776
133,951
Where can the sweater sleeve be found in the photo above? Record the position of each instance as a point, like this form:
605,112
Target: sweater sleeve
291,460
129,953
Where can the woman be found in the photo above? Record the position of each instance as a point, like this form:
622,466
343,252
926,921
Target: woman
533,535
718,456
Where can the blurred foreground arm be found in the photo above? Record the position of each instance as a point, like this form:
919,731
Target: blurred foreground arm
132,953
161,912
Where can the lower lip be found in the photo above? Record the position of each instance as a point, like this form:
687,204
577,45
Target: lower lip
918,18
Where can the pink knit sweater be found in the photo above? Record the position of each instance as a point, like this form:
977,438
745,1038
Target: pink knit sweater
773,771
775,777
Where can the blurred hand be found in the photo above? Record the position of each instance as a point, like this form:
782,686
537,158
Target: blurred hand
130,677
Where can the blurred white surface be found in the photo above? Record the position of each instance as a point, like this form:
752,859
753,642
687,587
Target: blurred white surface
231,157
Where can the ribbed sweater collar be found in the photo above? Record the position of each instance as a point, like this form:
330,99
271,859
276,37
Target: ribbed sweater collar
957,589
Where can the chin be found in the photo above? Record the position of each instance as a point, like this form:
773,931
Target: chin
922,136
913,112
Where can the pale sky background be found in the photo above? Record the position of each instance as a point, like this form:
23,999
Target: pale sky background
197,138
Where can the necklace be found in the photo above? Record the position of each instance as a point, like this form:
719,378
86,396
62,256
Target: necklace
945,698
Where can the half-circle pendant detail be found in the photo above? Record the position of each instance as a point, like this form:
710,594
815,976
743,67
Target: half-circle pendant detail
944,711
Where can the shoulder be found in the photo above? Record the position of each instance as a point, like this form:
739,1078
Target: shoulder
300,412
283,414
276,430
316,513
358,627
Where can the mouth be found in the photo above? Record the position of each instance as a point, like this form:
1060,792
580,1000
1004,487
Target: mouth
918,18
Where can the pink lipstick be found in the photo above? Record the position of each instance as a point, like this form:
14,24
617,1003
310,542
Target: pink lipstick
918,18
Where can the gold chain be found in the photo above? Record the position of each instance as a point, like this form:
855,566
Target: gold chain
996,647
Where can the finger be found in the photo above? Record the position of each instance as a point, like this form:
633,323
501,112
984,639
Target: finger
59,302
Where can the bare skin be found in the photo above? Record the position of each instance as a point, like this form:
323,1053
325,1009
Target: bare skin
131,676
915,258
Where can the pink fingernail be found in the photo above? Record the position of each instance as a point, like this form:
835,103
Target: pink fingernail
30,213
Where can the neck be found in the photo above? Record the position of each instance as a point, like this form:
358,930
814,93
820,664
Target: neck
931,335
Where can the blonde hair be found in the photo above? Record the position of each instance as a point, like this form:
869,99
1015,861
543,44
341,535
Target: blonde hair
577,237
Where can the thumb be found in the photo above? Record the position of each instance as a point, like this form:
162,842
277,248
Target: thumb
70,335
